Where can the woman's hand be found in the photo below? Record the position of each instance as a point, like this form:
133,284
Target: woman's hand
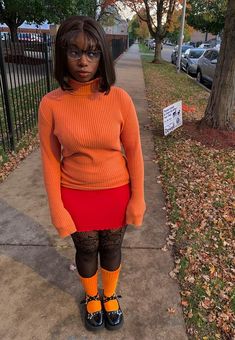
64,223
135,212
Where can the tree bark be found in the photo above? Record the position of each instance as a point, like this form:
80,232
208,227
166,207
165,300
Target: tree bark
157,52
220,111
13,30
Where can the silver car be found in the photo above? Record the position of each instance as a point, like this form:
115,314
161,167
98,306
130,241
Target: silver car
174,54
190,58
207,65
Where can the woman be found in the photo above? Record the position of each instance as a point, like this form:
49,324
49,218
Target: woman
94,190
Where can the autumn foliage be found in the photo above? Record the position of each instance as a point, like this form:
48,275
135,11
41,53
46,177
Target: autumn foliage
197,176
158,15
106,3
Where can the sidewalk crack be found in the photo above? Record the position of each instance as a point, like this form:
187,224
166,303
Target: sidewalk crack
70,246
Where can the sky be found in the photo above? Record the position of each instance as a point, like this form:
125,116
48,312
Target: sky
125,13
24,25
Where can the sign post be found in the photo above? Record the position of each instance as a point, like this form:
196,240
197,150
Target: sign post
172,117
181,36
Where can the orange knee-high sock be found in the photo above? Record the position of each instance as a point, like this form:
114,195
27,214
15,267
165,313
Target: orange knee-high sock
110,280
90,285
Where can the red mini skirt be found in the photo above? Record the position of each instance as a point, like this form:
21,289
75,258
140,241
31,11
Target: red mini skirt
97,209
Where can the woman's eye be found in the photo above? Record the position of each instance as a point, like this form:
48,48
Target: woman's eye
74,52
91,53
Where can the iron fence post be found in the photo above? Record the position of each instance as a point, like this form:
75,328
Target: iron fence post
46,62
10,124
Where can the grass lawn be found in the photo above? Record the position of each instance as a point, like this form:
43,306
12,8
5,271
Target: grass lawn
199,183
144,49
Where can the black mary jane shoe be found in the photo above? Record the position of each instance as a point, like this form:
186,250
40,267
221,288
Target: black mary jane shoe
93,321
114,319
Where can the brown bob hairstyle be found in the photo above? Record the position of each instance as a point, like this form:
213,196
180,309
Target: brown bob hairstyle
95,39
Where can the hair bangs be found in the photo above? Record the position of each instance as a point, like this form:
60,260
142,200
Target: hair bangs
90,42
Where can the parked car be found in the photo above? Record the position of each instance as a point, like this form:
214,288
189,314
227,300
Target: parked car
168,42
152,44
191,43
147,41
204,45
174,54
207,65
190,58
5,36
31,37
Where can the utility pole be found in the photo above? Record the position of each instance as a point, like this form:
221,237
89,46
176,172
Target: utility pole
181,37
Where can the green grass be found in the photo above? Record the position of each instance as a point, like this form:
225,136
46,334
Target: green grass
144,49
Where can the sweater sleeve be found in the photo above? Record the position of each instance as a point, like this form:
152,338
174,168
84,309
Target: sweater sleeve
130,138
51,156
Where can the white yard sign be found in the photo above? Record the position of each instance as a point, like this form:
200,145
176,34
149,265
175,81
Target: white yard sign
172,117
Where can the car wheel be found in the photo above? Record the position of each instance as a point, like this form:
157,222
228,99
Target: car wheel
199,76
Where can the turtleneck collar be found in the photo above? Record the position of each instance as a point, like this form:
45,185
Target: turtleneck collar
84,89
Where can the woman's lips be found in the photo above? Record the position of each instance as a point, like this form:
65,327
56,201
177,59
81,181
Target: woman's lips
83,74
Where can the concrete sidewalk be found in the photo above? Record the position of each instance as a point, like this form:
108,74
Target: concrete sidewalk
39,294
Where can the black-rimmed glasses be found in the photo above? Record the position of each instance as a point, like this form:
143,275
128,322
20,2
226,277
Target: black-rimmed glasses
76,54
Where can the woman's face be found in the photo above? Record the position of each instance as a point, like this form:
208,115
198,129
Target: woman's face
83,61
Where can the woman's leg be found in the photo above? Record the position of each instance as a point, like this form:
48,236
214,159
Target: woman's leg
86,244
110,242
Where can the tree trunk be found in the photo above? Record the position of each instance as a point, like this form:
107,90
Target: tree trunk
220,111
13,30
157,52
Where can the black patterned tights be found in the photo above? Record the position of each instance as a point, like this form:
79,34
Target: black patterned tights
105,242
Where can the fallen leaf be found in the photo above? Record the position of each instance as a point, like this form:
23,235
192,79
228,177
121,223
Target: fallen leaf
184,303
72,267
191,279
171,310
172,274
190,314
206,304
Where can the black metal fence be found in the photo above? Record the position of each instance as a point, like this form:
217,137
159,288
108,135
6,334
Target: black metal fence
118,44
26,69
26,75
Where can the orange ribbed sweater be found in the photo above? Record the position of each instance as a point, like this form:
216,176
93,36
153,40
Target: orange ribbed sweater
81,137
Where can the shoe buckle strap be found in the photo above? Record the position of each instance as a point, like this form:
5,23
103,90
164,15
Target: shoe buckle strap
112,297
89,298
